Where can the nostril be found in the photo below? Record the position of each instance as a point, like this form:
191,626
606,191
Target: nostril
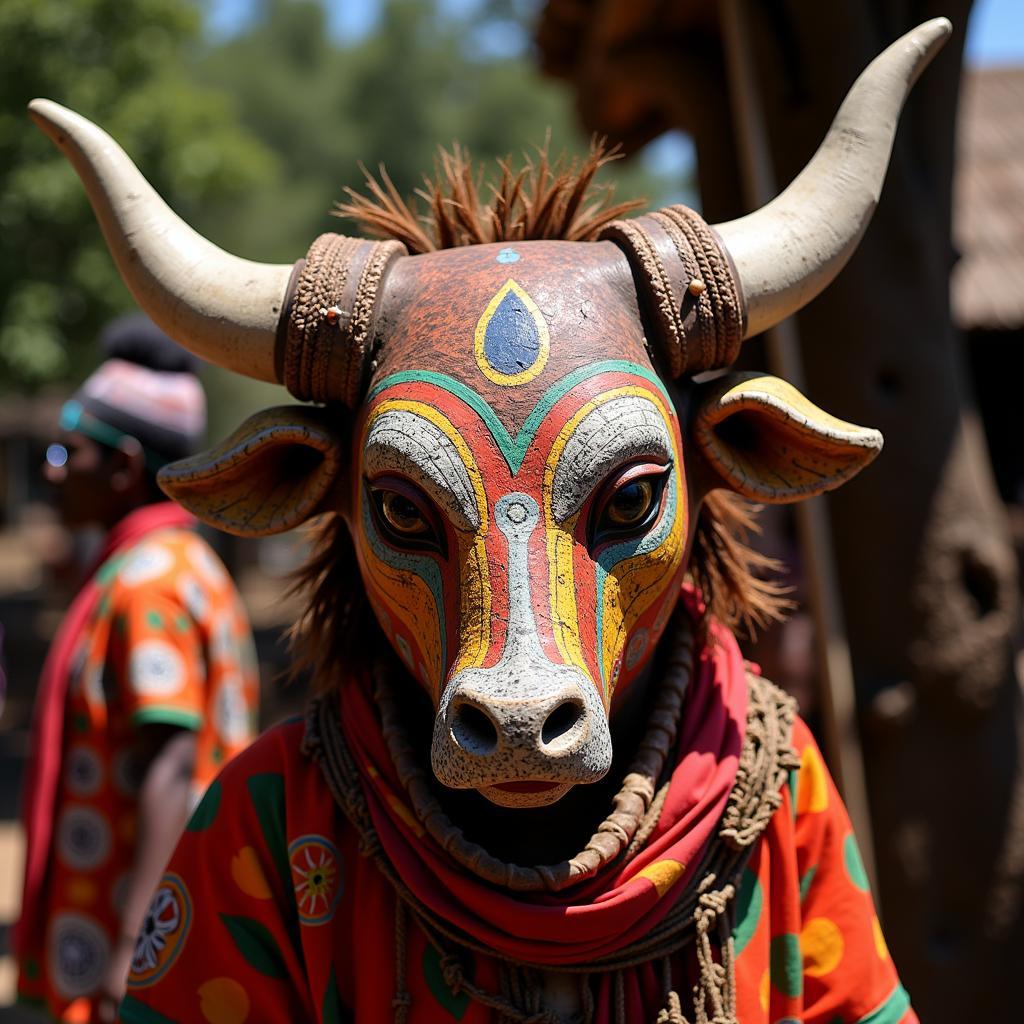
474,731
562,722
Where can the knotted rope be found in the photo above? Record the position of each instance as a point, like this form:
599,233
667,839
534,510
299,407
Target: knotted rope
685,279
698,916
324,353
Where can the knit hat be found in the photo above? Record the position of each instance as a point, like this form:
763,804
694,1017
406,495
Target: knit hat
146,389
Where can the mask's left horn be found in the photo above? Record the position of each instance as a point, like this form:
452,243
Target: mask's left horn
223,308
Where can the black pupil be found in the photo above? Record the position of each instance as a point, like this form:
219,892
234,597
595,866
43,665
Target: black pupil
402,512
630,503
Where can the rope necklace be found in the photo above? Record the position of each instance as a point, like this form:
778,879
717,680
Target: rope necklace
698,916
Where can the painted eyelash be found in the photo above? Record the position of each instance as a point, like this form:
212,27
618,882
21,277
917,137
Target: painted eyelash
433,541
658,475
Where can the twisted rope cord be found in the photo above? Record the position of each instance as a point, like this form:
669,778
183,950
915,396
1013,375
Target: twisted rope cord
330,323
693,917
719,307
693,298
635,808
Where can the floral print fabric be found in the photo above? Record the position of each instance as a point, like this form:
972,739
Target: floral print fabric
168,644
277,916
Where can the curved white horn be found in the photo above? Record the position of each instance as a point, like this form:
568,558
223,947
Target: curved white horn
223,308
789,251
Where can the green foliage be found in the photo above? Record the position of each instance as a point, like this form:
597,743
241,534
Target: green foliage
122,65
419,79
252,140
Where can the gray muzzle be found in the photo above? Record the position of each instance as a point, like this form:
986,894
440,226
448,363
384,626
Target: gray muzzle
526,730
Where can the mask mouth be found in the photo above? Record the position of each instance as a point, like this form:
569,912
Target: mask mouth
527,793
522,733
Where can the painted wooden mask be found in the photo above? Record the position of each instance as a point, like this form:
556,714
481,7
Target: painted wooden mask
526,447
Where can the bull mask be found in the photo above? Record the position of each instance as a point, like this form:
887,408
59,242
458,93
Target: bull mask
512,431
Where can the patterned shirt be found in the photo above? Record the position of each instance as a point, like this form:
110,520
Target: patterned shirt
168,644
268,912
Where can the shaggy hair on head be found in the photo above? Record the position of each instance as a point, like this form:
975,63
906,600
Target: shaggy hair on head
543,200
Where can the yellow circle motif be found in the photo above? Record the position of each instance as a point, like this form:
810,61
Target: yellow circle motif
223,1001
764,990
880,947
812,789
248,875
821,943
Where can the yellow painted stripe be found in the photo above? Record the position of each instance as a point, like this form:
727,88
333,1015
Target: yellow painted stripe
561,579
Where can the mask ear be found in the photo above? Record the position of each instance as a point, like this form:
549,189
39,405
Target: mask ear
767,442
278,469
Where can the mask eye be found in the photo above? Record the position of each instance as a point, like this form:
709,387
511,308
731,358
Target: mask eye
630,502
404,516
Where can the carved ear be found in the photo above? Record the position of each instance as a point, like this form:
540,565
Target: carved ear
767,442
278,469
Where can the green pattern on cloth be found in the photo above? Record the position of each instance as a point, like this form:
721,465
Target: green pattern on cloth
854,865
331,1010
433,975
267,794
206,813
787,965
256,944
891,1011
133,1012
749,903
805,882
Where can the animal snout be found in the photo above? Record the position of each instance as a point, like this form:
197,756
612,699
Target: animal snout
555,726
522,737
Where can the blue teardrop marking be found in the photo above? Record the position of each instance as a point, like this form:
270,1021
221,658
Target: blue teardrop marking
511,340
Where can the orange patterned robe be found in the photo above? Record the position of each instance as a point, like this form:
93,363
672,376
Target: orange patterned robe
168,643
269,913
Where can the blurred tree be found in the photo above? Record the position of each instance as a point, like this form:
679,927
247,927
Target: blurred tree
251,139
124,66
420,78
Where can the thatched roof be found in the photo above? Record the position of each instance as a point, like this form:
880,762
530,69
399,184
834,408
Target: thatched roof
988,202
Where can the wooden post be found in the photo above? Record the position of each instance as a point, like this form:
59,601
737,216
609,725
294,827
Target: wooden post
835,668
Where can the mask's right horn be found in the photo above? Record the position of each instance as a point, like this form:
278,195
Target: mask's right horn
707,288
790,250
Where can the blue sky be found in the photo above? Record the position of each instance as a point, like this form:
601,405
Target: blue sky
995,36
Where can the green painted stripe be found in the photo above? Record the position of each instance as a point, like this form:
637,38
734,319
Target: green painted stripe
892,1010
805,882
559,389
134,1012
501,436
514,449
167,716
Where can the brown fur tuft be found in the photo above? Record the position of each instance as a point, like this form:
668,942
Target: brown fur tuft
543,199
729,573
338,628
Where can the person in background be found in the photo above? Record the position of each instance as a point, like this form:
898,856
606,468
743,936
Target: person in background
150,685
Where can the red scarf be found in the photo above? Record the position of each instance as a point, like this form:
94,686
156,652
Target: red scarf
620,904
40,792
